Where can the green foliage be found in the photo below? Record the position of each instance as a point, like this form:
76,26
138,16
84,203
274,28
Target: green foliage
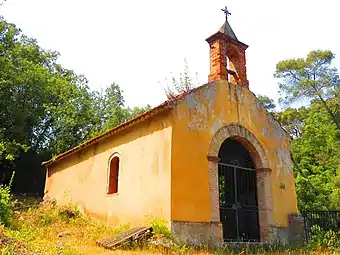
267,102
57,214
160,227
318,152
135,111
316,149
46,109
310,78
39,100
292,120
6,205
45,228
45,106
324,239
334,197
315,129
110,110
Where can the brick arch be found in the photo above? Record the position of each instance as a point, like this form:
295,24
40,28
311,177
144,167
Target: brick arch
263,176
232,51
246,138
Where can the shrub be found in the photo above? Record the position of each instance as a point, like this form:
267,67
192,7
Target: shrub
49,214
324,239
160,226
6,206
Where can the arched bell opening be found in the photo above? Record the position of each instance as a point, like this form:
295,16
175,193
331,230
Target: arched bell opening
233,64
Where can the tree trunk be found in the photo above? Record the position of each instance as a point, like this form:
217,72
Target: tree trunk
330,113
328,109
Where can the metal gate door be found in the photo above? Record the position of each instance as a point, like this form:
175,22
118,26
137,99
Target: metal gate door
238,203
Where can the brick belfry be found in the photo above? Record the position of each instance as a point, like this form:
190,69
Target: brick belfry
227,55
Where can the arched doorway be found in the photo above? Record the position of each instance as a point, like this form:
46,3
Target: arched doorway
238,201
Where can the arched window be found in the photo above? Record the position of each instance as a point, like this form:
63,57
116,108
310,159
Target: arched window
113,175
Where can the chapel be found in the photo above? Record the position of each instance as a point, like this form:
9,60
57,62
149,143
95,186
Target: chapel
212,163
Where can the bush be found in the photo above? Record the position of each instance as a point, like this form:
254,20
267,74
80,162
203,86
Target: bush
6,208
67,213
324,239
50,214
160,227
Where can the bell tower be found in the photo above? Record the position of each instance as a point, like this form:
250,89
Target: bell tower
227,55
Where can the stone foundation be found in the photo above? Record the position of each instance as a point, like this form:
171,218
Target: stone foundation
297,235
293,235
210,234
198,233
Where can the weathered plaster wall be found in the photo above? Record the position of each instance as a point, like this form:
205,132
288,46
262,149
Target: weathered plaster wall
144,175
198,116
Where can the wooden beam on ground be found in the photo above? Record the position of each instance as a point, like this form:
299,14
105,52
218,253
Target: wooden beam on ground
136,234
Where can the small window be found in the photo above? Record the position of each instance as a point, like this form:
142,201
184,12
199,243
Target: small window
113,175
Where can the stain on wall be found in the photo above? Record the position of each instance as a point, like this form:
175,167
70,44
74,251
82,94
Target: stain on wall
164,166
284,161
198,116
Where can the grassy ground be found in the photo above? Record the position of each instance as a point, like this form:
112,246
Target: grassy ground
48,229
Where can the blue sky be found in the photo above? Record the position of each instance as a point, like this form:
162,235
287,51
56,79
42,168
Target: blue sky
137,44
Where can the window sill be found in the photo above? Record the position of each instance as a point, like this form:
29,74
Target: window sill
112,195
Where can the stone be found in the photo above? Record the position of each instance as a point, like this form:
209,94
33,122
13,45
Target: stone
208,234
296,235
161,242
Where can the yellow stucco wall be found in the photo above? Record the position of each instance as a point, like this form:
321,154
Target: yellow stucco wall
164,166
197,117
144,175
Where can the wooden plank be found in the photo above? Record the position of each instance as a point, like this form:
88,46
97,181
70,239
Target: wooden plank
134,234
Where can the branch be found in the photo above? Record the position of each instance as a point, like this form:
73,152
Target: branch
294,76
327,108
2,3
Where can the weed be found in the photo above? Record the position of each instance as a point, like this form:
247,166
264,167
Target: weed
6,204
40,229
160,227
329,240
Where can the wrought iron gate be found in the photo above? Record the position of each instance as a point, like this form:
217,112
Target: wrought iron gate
238,203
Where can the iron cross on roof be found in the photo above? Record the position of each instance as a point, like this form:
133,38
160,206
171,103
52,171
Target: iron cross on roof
226,12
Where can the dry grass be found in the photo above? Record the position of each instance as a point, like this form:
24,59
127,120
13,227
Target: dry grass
35,229
38,226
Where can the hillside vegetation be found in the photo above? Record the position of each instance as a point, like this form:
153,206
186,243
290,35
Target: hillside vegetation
46,109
